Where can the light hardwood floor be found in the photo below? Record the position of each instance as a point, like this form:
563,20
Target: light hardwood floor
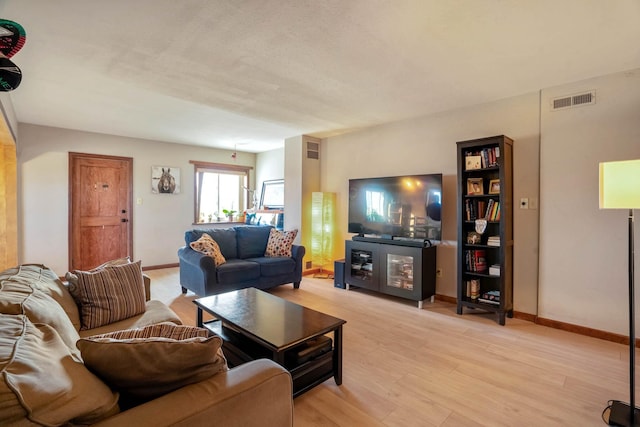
409,367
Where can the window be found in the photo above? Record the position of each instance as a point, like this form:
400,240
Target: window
219,188
375,205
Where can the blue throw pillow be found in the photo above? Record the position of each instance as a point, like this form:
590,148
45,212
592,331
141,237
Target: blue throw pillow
252,240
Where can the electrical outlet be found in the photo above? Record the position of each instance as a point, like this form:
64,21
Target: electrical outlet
439,272
524,203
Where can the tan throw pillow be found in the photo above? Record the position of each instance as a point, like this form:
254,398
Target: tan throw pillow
73,278
110,294
42,380
148,362
206,245
280,243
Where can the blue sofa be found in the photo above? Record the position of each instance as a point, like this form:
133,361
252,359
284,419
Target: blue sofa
246,266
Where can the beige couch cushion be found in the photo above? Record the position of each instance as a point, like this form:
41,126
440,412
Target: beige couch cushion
148,362
155,312
109,294
46,382
42,278
21,298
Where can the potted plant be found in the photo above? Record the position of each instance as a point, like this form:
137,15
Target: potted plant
229,213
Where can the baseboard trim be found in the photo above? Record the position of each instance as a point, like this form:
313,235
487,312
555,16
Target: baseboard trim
555,324
159,267
583,330
446,298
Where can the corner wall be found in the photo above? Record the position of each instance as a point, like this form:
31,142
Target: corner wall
428,145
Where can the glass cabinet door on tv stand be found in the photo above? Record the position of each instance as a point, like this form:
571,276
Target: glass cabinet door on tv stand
362,266
409,272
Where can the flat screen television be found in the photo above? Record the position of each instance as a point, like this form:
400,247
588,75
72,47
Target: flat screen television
398,206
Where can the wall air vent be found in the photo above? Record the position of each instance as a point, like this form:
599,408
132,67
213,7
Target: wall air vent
576,100
313,150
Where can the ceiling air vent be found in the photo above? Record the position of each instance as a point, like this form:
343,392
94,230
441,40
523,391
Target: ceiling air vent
313,150
576,100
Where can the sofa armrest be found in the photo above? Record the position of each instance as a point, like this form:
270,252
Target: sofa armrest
257,393
197,271
297,253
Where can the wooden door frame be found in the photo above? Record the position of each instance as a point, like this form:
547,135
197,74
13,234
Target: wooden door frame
129,161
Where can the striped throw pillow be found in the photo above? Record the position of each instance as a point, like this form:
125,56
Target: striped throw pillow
165,330
153,360
110,294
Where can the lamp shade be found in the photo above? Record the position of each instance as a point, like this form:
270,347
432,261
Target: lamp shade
322,226
620,185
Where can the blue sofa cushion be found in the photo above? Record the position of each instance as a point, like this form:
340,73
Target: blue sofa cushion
238,270
252,241
275,266
224,237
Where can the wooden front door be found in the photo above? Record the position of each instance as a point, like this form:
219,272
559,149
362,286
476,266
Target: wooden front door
100,202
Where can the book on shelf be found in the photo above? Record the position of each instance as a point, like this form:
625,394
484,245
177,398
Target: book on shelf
481,159
488,301
473,288
494,270
490,297
476,260
494,215
493,241
482,209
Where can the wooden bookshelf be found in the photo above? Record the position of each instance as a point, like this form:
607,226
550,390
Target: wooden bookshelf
485,193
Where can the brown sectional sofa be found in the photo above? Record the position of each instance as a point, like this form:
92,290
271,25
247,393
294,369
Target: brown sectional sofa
44,381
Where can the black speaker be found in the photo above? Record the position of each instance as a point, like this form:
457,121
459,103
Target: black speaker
338,274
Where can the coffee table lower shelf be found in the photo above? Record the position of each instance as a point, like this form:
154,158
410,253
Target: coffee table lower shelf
239,349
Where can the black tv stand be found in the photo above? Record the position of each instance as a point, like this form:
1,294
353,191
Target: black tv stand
398,241
394,267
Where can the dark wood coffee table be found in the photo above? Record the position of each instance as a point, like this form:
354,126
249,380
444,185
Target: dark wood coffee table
255,324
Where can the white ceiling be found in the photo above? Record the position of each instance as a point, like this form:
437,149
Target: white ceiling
250,73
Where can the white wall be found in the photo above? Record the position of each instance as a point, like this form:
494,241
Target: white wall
159,222
583,250
428,145
269,165
570,260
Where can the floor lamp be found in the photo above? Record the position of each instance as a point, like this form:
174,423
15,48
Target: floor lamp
322,226
620,189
